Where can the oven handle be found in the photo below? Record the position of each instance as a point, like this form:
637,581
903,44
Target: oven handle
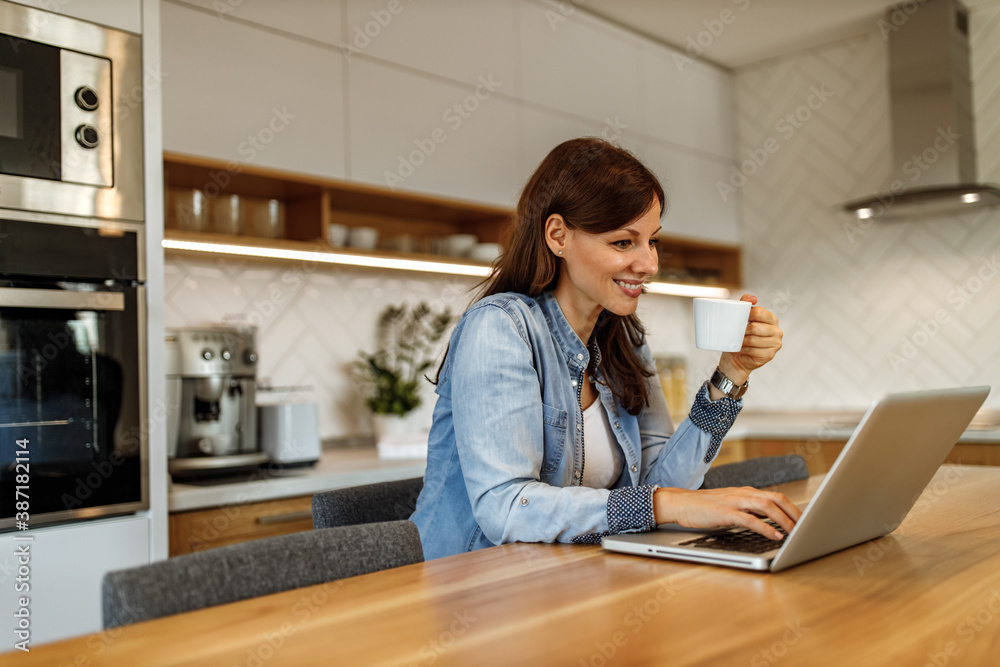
22,297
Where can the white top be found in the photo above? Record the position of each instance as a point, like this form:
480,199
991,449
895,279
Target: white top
603,458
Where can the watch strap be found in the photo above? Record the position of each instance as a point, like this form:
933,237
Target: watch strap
727,386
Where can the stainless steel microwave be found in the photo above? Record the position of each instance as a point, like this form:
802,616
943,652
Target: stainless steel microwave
70,116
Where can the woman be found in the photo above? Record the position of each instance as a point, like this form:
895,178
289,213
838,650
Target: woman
549,424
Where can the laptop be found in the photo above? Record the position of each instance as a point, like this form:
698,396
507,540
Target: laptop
882,470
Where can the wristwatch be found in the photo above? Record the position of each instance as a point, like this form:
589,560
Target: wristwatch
726,386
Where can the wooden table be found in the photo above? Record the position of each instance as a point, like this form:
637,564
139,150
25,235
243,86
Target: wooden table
929,593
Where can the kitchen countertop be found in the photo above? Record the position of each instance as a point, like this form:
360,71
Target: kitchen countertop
342,466
337,468
836,425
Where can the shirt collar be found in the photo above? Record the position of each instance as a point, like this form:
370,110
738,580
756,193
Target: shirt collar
564,334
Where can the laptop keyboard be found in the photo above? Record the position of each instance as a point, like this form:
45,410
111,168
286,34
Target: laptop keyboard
738,539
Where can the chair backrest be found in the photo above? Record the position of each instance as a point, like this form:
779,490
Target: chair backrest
759,472
255,568
385,501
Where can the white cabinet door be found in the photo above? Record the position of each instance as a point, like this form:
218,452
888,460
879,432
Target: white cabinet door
315,19
414,132
250,96
64,568
455,39
696,209
575,63
687,102
543,130
120,14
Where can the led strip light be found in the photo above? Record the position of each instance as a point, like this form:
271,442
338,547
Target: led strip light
376,262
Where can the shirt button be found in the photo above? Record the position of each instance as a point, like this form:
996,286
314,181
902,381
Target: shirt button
617,425
576,473
574,383
634,468
579,427
580,357
524,501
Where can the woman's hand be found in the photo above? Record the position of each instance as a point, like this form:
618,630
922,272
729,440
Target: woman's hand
719,508
760,343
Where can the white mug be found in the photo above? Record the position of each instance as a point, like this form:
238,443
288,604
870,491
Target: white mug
720,324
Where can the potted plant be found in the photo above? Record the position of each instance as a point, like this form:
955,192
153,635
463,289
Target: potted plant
392,374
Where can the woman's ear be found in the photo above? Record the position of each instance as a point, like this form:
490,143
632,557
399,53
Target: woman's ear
555,234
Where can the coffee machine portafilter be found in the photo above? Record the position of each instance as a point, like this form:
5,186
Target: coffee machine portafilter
211,376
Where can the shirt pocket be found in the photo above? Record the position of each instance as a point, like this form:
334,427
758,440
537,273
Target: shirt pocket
554,423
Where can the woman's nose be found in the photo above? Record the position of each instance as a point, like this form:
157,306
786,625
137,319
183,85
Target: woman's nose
649,262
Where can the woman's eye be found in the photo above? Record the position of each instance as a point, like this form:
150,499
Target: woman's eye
654,242
623,244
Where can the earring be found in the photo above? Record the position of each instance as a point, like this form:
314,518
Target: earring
559,253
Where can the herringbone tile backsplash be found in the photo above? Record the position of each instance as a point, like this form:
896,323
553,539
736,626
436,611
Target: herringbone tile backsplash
866,308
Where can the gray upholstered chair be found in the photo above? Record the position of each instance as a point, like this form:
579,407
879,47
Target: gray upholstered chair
385,501
255,568
759,472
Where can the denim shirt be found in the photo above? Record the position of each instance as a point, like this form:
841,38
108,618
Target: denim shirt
506,450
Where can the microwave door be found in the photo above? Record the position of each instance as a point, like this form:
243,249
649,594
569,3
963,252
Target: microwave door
30,109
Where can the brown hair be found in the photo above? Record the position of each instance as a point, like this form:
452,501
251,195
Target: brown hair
596,187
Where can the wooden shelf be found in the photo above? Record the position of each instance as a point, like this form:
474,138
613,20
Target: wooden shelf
317,248
312,204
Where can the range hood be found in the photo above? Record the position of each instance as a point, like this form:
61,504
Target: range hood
930,97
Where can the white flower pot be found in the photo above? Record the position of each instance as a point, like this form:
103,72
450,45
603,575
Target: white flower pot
391,426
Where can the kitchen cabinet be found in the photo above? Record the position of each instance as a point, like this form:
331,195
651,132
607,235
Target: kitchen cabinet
688,102
420,134
234,91
209,528
313,204
577,64
63,569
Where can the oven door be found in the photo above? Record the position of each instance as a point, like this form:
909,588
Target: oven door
70,401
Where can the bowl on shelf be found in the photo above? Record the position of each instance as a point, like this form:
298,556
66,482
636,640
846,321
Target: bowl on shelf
485,252
336,234
362,238
460,245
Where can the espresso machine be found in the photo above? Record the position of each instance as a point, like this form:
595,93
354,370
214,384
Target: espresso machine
211,394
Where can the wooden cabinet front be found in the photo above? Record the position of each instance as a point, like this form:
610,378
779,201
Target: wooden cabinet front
820,454
204,529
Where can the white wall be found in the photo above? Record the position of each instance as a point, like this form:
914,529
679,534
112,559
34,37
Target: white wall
544,72
865,308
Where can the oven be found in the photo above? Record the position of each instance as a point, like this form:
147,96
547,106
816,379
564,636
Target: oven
72,371
70,116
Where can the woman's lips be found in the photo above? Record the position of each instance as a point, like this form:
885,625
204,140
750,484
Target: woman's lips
632,288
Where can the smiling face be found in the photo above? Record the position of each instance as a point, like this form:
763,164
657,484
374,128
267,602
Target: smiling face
603,271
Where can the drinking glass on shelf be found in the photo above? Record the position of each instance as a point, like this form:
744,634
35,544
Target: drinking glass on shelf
187,209
267,218
227,214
